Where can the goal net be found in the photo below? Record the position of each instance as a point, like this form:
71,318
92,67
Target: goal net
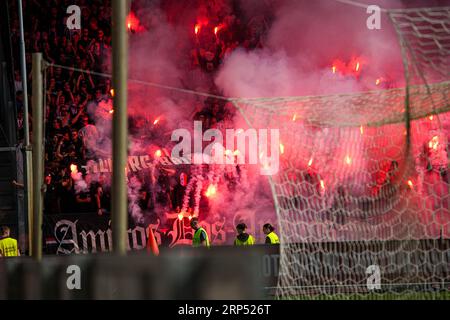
362,194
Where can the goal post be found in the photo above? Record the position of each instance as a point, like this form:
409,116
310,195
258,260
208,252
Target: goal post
362,194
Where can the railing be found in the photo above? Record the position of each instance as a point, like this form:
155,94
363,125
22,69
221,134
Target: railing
180,273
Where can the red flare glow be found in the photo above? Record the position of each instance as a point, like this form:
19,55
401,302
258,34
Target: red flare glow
158,153
112,92
133,23
190,218
348,160
236,152
281,148
211,191
322,184
338,66
361,129
218,28
74,168
294,117
156,121
180,216
352,67
410,184
431,118
434,142
111,111
310,162
183,179
196,29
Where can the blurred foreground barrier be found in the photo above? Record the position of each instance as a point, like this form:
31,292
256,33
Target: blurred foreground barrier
178,273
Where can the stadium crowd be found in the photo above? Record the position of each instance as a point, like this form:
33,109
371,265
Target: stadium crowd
69,91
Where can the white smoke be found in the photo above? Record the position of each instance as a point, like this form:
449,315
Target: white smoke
134,190
80,184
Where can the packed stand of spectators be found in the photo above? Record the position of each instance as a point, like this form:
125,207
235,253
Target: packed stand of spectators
69,128
221,27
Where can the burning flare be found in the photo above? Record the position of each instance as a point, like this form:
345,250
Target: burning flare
434,142
133,23
218,28
322,184
158,153
74,174
156,121
74,168
211,191
348,160
281,148
410,184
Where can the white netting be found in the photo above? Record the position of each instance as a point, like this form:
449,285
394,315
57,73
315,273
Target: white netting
363,177
425,39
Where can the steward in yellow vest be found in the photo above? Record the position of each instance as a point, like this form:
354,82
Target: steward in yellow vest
200,237
271,237
243,238
8,245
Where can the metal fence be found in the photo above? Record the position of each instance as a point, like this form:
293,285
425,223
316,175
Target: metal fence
179,273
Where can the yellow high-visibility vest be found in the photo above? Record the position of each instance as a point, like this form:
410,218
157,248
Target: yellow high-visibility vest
196,238
8,247
273,238
249,242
